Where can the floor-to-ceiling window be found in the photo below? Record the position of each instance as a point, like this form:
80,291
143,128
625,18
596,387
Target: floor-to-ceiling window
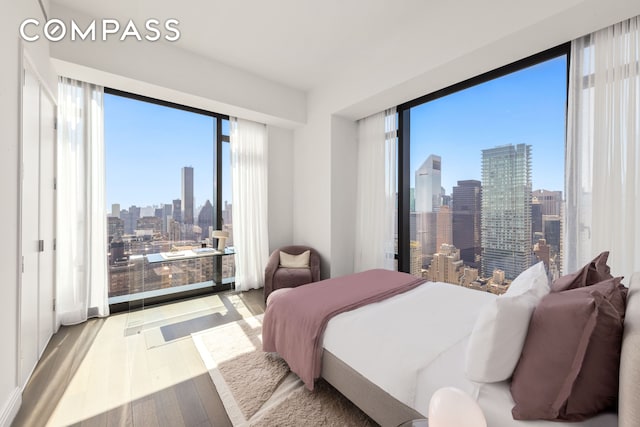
482,175
167,189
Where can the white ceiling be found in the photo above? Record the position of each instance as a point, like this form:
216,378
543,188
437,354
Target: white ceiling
366,55
305,43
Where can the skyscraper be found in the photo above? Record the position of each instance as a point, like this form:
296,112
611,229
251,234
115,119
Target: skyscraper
115,210
131,218
536,219
551,201
552,229
187,195
428,197
205,218
467,204
506,209
415,255
444,235
177,210
429,185
115,228
167,211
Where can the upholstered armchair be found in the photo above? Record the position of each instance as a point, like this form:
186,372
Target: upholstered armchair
277,277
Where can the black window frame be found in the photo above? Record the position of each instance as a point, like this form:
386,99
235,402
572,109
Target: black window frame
217,185
404,142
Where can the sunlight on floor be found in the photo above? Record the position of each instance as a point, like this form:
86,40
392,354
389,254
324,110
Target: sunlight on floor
122,367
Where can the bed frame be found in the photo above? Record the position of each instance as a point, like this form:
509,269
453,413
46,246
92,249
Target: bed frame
388,411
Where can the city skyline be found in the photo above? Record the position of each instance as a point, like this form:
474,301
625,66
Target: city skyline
527,106
147,145
496,221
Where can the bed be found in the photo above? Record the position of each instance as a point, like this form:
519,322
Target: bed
393,382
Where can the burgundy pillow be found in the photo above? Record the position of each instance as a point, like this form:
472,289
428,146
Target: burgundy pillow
594,272
570,362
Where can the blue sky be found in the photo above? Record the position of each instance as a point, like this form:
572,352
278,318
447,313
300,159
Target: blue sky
146,147
527,106
148,144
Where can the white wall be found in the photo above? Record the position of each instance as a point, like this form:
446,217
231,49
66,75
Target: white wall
325,156
312,185
280,187
161,70
10,78
344,155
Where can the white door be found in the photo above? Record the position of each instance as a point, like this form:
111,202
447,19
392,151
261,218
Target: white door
47,219
30,224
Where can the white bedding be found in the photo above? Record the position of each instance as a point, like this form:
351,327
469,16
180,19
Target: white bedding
494,398
403,334
415,343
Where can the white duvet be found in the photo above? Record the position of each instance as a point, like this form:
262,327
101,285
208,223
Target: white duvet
415,343
391,341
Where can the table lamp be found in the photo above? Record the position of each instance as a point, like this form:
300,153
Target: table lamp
222,239
451,407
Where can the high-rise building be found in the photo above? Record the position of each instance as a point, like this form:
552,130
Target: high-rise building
428,197
205,218
177,210
444,235
536,219
187,195
445,199
552,229
506,210
426,235
466,221
115,210
147,211
550,201
167,212
428,191
115,227
446,265
413,224
415,257
130,217
174,230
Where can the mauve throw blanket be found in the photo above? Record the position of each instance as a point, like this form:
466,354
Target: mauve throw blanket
294,321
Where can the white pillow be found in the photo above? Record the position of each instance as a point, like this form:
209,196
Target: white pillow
532,280
498,336
294,261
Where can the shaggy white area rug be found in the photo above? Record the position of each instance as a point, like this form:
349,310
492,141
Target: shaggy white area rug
257,389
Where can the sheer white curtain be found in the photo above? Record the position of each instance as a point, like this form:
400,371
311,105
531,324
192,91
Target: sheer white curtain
249,199
81,259
376,192
603,149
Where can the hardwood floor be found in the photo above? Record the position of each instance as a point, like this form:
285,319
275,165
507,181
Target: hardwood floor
134,369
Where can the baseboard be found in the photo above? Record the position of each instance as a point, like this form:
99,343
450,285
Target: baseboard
11,407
